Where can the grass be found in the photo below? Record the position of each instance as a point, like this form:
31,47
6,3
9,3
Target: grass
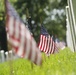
62,63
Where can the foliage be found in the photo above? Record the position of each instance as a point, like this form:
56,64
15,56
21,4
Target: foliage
43,9
56,20
62,63
2,14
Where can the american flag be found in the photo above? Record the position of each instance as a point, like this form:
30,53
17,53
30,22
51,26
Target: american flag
19,36
46,43
60,45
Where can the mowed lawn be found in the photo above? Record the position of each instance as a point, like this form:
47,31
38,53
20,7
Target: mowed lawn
62,63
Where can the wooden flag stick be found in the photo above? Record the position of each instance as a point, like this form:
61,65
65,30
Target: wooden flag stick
44,57
32,65
10,59
41,20
11,65
41,24
27,16
27,13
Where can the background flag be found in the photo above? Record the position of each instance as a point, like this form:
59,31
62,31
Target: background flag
46,43
60,45
19,36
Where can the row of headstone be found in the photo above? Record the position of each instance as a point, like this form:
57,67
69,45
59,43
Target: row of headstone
5,56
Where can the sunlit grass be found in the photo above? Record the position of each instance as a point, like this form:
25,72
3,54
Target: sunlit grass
62,63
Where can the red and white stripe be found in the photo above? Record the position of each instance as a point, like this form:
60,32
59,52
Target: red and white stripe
21,41
47,45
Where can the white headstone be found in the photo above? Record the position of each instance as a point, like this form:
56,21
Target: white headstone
2,55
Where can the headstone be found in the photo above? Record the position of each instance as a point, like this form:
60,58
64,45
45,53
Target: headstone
2,56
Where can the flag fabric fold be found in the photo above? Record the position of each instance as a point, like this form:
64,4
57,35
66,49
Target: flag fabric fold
19,36
46,43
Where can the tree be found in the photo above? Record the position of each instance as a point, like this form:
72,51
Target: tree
36,10
45,9
56,19
51,12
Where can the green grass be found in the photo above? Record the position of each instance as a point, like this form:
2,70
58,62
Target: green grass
62,63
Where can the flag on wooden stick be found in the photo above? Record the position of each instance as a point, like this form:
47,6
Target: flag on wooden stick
19,36
46,43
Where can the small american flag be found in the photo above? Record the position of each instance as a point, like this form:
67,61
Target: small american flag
19,36
60,45
46,43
